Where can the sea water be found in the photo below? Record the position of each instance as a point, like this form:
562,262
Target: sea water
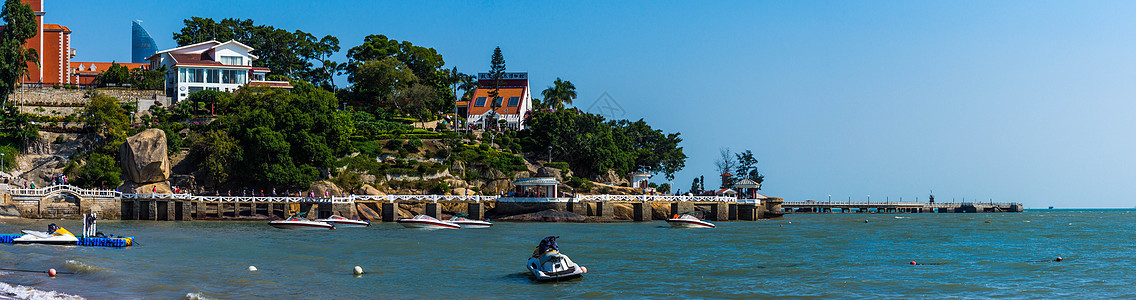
826,256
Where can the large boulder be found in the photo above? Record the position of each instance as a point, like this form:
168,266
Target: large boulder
549,172
144,158
367,189
320,187
612,178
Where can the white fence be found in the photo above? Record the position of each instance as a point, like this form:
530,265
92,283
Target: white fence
352,198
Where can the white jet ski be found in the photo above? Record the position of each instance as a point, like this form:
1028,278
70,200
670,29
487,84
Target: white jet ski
341,222
464,222
55,235
689,221
548,264
427,222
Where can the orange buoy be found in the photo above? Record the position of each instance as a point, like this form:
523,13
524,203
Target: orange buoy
51,273
913,263
1058,259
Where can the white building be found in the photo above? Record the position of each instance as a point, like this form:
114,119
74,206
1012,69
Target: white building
210,65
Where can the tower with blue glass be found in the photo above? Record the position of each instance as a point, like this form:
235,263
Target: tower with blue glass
143,45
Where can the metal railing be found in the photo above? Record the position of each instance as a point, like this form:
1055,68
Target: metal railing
888,203
641,198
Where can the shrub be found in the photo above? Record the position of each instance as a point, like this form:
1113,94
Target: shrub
394,145
558,165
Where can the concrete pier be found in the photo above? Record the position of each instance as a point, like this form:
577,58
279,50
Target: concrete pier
641,211
389,212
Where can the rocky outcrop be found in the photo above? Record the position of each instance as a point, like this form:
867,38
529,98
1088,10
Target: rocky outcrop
612,178
367,189
550,215
144,158
320,187
549,172
623,211
145,188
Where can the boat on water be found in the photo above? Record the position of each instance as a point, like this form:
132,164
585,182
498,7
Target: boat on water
548,264
297,222
427,222
464,222
341,222
54,235
688,221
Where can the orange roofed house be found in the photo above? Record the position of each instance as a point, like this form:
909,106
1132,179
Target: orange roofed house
513,100
53,44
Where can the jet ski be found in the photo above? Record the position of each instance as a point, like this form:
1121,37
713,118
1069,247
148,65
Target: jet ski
548,264
341,222
689,221
55,235
464,222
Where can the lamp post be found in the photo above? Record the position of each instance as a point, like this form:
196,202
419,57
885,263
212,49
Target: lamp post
550,153
1,162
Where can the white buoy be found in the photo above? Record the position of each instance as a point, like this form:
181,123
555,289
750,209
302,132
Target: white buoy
358,270
252,268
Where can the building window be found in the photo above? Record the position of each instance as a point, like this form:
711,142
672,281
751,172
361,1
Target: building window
497,101
479,102
181,75
213,76
232,60
212,89
194,89
514,101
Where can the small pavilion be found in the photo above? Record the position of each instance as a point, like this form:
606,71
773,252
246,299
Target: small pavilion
748,189
639,180
536,187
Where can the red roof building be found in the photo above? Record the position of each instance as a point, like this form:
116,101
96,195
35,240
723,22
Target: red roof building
513,101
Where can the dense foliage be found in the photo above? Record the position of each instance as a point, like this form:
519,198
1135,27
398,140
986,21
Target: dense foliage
592,145
278,137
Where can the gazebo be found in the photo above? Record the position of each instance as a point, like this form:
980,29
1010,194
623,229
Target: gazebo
748,188
639,180
536,187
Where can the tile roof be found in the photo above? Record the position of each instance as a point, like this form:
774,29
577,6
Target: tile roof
505,94
55,27
102,66
194,59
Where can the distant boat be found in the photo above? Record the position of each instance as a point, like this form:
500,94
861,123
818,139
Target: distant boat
1050,207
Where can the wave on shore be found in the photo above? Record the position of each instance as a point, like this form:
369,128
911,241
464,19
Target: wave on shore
8,291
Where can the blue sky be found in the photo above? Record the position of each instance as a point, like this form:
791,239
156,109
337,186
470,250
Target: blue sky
1025,101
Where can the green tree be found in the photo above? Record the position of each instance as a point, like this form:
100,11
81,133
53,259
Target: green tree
116,75
380,82
100,171
747,167
108,121
20,25
143,79
16,127
592,145
424,62
694,187
561,93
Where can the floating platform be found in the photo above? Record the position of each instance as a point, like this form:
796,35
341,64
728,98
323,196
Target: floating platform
117,241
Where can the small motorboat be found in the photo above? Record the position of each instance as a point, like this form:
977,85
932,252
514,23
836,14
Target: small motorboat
548,264
428,222
55,235
688,221
300,223
341,222
464,222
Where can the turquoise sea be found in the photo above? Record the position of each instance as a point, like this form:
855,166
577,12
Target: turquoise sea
809,256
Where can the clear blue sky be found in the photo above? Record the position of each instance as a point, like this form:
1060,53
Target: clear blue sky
1027,101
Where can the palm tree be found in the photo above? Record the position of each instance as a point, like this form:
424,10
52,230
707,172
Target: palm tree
559,94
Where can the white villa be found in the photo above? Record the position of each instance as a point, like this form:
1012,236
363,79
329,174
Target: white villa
210,65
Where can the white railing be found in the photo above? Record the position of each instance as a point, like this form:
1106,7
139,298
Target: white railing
640,198
44,191
536,199
40,192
